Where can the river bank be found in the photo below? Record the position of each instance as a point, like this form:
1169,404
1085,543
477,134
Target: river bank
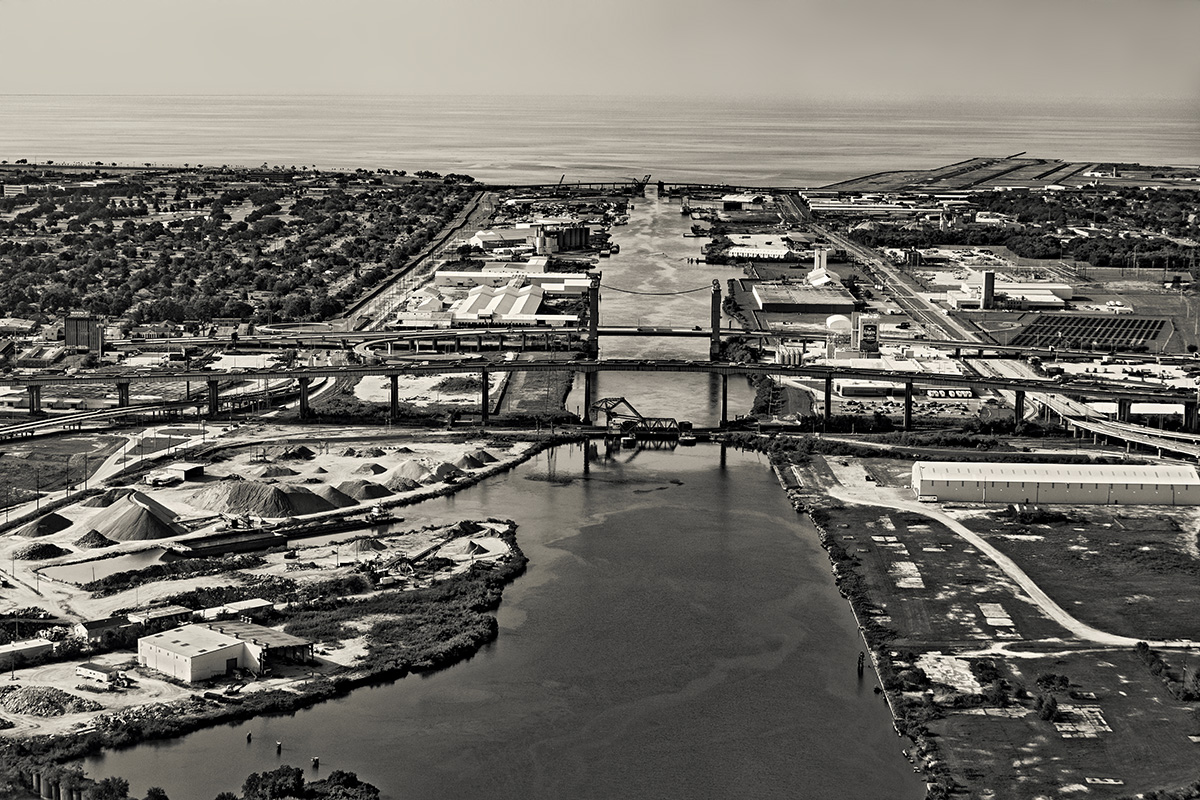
464,625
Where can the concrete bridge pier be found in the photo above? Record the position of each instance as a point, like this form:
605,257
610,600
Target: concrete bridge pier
123,394
35,400
1019,406
585,414
828,396
214,398
593,298
908,403
394,399
484,401
1190,416
724,400
304,382
1124,409
714,341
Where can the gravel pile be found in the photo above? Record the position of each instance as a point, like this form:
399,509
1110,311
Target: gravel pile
93,539
39,551
44,526
44,701
260,499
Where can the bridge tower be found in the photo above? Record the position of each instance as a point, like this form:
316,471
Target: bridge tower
714,342
593,296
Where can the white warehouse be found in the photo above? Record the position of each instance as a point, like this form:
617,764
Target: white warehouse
1057,483
202,651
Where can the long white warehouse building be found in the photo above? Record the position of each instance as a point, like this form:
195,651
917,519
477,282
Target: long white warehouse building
1057,483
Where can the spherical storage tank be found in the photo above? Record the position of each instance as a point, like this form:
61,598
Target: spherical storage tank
838,323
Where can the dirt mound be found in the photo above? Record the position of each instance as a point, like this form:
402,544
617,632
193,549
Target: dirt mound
334,497
405,450
44,701
93,539
408,475
275,471
296,452
465,528
44,526
484,456
320,471
106,499
468,461
447,470
137,518
365,544
371,468
260,499
349,452
39,551
363,489
374,452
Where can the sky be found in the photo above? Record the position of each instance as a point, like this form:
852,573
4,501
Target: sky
903,49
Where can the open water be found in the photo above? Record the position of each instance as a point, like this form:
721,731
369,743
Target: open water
540,139
678,635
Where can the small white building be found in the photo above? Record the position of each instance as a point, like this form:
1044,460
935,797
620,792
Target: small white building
1057,483
202,651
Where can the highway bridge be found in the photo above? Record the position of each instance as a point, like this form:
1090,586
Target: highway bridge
304,376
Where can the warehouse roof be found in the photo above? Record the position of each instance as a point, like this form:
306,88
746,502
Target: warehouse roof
192,640
1063,473
258,634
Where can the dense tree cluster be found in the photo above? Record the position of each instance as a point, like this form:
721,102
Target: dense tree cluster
183,245
1142,226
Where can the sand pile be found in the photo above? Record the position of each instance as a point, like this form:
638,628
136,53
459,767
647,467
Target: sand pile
44,526
349,452
335,498
371,468
296,452
366,544
446,470
94,539
136,518
106,499
468,461
374,452
404,449
363,489
39,551
260,499
320,471
465,528
484,456
44,701
408,475
275,471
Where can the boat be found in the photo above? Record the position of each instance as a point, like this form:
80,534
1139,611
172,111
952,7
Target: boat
687,438
615,248
629,440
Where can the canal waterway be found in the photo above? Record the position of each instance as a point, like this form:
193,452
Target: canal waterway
651,284
678,635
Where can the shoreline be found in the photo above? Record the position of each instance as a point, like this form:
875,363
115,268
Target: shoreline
47,752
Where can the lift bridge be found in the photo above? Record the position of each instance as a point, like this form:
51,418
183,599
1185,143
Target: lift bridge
624,419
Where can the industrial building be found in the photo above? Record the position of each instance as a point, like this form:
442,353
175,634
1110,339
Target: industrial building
16,654
1056,483
202,651
83,333
801,299
985,292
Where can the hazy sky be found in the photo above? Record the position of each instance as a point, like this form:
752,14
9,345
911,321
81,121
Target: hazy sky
795,48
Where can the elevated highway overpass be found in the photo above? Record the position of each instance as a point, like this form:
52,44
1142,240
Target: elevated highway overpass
304,376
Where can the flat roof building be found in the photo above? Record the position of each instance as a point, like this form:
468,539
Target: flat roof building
1057,483
202,651
801,299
